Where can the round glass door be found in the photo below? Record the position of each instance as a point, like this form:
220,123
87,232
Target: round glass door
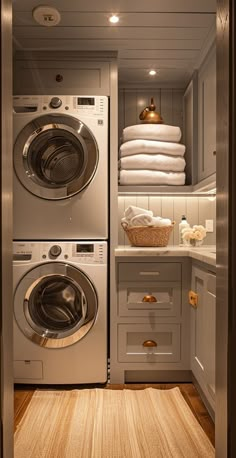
55,156
56,309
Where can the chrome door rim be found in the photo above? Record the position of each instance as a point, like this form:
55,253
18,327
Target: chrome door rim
42,336
78,132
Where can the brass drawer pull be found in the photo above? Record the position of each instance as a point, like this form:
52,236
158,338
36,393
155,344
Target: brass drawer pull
149,343
149,298
193,299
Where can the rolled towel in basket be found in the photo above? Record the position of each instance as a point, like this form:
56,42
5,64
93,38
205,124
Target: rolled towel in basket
132,211
153,162
147,220
151,177
161,132
151,147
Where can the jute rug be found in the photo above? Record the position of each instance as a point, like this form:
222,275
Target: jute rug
103,423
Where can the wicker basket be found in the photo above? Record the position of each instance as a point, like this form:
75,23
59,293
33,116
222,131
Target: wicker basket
148,235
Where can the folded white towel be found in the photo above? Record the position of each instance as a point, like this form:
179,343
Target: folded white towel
153,162
147,220
150,177
161,132
132,211
151,147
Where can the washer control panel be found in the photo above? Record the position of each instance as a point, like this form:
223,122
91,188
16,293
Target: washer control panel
79,105
84,252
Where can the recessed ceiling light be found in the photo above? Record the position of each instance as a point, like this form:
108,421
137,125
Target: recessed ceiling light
114,19
152,72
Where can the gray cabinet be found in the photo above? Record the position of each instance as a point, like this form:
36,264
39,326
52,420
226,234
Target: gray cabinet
150,324
203,322
207,117
63,73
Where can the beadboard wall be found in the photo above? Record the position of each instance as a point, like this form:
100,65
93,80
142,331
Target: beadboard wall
169,103
196,209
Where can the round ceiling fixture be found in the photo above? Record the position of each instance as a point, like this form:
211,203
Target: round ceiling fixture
152,72
46,15
114,19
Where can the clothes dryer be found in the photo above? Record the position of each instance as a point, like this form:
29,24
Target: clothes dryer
60,168
60,312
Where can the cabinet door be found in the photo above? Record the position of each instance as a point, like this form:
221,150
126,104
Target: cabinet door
203,332
207,117
210,301
198,326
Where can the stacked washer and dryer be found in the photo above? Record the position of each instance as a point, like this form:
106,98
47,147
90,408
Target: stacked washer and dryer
60,204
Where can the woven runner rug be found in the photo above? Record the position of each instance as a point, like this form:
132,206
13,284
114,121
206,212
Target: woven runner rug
103,423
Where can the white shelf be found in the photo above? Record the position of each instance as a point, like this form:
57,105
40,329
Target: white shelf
206,186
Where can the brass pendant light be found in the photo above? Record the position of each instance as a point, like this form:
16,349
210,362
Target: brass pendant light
149,115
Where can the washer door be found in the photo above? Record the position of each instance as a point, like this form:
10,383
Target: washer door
55,305
55,156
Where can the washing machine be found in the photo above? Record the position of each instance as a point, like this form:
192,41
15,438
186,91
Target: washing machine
60,312
60,184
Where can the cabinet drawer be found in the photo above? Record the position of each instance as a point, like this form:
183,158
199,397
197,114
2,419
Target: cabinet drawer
134,299
149,271
131,338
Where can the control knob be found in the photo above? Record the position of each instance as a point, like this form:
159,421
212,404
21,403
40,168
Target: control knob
55,251
55,102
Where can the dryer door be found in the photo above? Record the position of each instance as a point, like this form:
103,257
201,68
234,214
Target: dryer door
55,305
55,156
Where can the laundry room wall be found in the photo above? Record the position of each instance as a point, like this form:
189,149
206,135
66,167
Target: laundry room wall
196,209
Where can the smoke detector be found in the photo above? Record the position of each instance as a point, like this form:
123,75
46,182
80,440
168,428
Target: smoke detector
46,15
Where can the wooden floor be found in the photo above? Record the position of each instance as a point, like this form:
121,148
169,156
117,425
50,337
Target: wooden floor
24,393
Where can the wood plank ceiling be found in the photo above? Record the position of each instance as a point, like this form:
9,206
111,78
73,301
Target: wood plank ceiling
169,36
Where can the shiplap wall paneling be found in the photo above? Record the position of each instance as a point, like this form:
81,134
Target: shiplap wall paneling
155,205
192,210
207,210
130,109
121,115
196,209
168,212
169,103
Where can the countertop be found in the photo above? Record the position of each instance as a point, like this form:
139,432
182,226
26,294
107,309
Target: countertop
205,253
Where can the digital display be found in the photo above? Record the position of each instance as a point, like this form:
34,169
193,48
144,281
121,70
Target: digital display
85,101
85,248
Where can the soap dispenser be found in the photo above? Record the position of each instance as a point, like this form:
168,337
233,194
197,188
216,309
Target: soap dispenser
182,225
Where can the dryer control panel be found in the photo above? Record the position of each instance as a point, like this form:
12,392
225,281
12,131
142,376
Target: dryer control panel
84,252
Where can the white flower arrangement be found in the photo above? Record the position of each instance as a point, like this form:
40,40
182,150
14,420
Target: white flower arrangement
193,233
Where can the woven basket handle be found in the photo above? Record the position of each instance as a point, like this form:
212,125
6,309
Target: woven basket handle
124,225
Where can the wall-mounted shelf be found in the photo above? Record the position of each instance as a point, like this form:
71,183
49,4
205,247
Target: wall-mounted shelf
205,187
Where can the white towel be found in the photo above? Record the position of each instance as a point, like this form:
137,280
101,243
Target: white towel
132,211
161,132
153,162
150,177
147,220
151,147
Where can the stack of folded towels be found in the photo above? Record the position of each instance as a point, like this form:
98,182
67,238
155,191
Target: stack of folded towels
152,155
136,216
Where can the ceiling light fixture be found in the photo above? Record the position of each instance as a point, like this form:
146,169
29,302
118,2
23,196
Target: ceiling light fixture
114,19
152,72
46,15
